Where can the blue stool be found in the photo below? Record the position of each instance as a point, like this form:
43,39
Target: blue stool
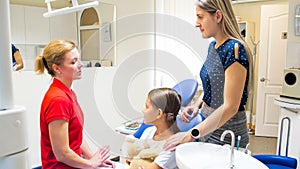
278,161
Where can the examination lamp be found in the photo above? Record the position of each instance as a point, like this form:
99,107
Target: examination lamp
75,7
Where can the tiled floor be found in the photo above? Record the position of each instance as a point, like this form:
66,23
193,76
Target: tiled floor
262,145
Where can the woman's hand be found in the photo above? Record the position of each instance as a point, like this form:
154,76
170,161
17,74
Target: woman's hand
108,164
177,139
188,113
100,157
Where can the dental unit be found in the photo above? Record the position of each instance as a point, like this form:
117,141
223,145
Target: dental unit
75,7
13,140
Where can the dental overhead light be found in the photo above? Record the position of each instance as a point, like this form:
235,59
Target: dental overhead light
75,7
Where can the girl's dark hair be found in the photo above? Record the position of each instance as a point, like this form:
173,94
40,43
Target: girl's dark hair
169,101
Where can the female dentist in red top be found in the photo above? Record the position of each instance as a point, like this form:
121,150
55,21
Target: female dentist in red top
61,118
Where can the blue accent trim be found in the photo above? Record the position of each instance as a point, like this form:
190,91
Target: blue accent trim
39,167
141,129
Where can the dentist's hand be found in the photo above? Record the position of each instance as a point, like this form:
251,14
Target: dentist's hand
100,157
188,113
177,139
108,164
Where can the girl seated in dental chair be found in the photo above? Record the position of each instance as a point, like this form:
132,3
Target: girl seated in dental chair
161,109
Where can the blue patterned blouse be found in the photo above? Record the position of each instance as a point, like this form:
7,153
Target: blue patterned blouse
212,73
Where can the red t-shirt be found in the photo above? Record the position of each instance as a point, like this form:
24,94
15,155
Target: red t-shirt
60,103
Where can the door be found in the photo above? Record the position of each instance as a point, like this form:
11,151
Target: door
272,55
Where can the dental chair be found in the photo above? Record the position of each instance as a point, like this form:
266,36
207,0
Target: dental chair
186,89
278,161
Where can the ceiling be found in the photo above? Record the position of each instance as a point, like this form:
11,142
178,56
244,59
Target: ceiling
41,3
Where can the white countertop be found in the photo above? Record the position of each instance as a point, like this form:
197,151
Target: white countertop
287,102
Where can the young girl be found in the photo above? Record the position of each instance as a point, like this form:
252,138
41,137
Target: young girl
161,109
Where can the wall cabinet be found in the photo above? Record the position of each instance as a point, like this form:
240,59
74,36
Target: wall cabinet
64,27
28,26
37,28
30,31
97,33
17,24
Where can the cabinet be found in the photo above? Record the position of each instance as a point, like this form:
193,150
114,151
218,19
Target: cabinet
64,27
37,28
28,26
89,35
289,108
30,31
17,24
97,29
247,31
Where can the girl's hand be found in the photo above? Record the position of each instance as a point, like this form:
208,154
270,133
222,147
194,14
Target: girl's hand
108,164
188,113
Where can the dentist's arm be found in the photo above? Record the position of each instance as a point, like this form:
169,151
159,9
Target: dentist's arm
58,131
86,151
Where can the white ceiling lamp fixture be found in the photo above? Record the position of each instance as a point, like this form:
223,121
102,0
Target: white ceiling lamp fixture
75,7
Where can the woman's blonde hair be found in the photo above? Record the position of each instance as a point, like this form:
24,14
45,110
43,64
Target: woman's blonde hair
54,53
229,27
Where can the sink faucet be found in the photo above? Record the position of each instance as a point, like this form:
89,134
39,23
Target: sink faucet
231,165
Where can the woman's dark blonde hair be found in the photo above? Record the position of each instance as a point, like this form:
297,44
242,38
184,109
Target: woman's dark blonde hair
54,53
169,101
229,27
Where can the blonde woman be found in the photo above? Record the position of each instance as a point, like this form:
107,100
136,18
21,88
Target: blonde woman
61,118
226,77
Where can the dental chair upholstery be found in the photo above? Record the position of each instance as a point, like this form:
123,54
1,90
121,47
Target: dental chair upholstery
186,89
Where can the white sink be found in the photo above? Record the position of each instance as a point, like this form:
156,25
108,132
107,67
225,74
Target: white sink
198,155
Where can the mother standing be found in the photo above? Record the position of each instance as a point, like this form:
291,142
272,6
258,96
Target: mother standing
225,76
